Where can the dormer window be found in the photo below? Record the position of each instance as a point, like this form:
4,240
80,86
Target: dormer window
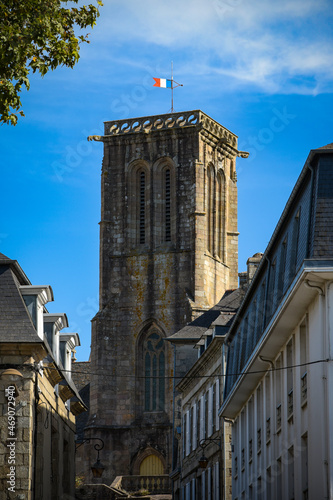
31,303
68,342
208,340
64,352
35,298
53,323
49,333
200,346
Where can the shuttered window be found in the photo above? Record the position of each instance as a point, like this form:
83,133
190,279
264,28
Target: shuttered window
194,427
202,418
217,404
210,412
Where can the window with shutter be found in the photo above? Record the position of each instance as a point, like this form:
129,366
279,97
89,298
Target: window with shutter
217,406
188,433
217,480
210,412
184,435
209,483
202,418
194,427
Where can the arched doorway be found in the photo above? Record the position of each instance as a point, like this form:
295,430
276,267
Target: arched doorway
151,466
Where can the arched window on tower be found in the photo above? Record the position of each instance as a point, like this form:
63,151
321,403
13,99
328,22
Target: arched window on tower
141,212
154,365
137,201
165,216
210,209
220,215
167,209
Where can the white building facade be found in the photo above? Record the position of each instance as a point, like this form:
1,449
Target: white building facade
279,383
203,469
201,426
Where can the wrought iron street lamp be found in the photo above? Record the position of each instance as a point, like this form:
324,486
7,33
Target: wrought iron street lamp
203,461
98,468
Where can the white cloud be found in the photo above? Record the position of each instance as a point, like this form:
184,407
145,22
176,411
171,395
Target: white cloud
266,44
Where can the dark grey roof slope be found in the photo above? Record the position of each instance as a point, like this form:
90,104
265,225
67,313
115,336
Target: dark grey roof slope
4,257
81,420
328,146
19,273
15,322
221,314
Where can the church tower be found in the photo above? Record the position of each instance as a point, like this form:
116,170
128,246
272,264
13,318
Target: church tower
168,252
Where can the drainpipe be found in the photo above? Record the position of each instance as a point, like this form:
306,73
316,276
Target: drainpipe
266,360
327,380
34,455
174,409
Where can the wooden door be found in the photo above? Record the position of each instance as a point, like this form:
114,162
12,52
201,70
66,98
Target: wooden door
151,466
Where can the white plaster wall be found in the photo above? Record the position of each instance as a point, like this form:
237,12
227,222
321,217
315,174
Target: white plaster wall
314,418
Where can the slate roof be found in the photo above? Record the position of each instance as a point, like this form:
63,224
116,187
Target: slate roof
15,321
81,420
16,268
328,146
3,257
221,314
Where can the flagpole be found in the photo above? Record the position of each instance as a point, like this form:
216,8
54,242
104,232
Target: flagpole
165,83
172,110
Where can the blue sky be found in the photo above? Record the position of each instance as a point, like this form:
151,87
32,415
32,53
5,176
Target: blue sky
262,69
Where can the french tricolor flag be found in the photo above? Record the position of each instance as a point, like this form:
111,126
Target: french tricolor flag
162,82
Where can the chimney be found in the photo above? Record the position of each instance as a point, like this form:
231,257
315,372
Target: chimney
242,279
252,265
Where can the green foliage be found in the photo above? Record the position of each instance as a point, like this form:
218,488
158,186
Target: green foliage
141,493
79,481
37,35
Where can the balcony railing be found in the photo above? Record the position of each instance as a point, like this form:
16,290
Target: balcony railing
155,485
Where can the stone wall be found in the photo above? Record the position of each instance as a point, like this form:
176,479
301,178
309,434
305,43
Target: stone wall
16,425
81,373
38,448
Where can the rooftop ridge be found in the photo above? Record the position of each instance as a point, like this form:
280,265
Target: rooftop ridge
182,119
328,146
15,266
4,257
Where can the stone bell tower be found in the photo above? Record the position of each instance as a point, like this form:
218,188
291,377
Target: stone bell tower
168,251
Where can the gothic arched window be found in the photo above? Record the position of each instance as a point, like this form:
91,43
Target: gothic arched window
141,211
210,209
137,199
165,216
167,210
154,364
220,208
